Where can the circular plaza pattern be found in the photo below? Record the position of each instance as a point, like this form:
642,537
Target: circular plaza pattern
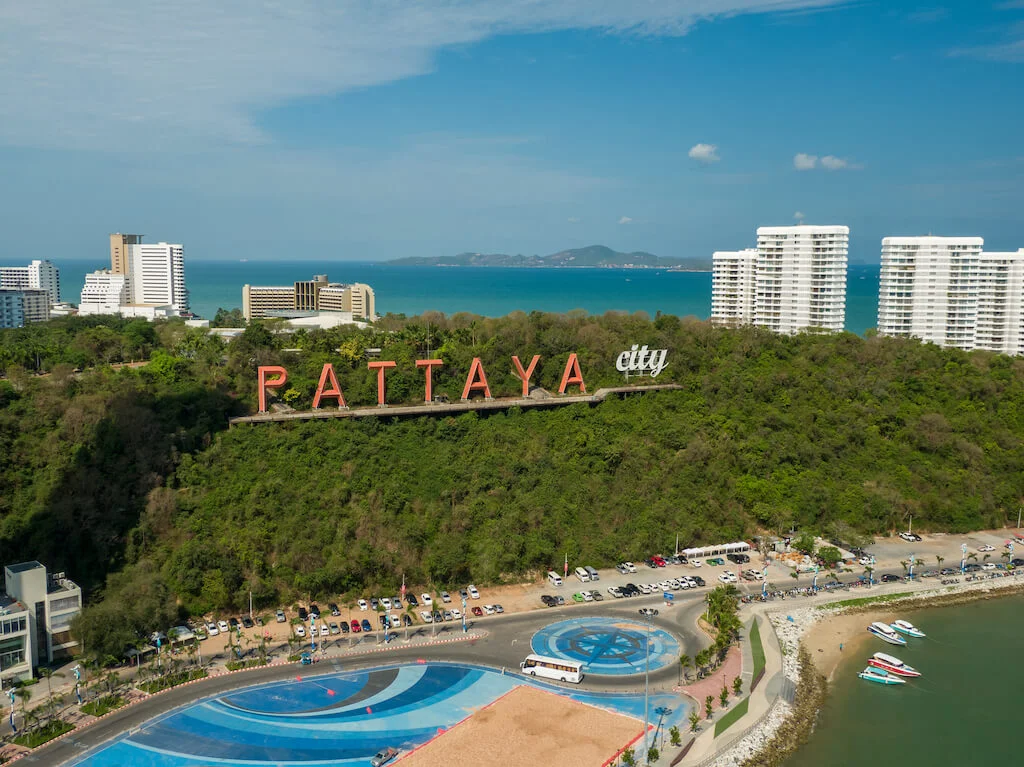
612,646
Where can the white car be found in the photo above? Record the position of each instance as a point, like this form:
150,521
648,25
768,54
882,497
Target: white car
489,609
986,548
386,603
223,626
325,630
614,591
988,566
690,582
587,597
473,592
425,600
696,563
757,575
644,588
426,616
457,613
446,597
300,630
630,567
864,561
211,629
362,604
727,577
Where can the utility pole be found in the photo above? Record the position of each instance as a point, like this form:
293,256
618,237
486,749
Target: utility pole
648,613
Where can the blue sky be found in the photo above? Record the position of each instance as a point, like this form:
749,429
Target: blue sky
368,130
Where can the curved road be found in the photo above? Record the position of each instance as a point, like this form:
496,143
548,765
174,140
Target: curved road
506,644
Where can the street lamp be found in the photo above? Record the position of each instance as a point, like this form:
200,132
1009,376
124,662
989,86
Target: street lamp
648,613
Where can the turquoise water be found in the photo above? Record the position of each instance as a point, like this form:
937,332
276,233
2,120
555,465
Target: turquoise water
491,291
961,711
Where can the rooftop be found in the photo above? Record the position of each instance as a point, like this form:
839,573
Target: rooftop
9,604
23,567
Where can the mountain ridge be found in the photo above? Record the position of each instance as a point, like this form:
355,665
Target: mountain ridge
592,256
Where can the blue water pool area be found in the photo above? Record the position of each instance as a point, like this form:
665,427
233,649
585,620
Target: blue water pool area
336,719
611,646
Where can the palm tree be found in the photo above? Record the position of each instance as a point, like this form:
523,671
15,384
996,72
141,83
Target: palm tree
47,674
905,564
939,560
868,570
987,556
25,694
973,556
684,661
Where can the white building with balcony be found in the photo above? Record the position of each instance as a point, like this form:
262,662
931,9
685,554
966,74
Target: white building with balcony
800,278
50,602
733,286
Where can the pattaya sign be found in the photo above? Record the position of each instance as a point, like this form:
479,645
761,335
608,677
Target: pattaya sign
640,360
275,376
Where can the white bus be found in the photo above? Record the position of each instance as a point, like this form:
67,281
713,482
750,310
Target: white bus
553,668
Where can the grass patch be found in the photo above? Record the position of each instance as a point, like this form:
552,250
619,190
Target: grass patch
42,735
731,718
238,665
756,648
862,601
172,680
103,705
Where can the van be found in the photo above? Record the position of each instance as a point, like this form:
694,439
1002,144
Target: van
594,576
582,574
554,578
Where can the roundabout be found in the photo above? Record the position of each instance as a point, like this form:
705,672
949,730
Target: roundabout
607,646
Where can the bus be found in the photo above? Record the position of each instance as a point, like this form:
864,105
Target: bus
553,668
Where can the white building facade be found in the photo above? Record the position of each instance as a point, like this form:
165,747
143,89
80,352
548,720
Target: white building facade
733,286
156,275
49,602
951,292
38,275
103,293
800,278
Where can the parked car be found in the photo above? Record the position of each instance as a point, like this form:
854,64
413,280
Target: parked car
477,611
489,610
986,548
334,628
621,567
366,625
473,593
438,616
303,615
615,592
446,597
447,615
456,613
651,563
223,626
699,580
550,601
362,604
383,756
356,627
300,630
314,610
577,597
630,567
426,600
247,622
411,600
499,609
988,566
738,559
233,622
211,629
344,627
464,594
374,603
594,595
427,616
911,537
406,620
280,617
333,607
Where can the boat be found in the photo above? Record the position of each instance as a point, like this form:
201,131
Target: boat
892,665
908,628
886,633
880,677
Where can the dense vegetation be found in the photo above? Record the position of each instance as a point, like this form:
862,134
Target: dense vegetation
130,479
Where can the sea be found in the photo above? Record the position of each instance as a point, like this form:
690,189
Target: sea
959,712
488,291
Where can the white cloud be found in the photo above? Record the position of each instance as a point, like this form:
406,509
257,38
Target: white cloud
194,73
798,216
805,161
706,153
828,162
625,220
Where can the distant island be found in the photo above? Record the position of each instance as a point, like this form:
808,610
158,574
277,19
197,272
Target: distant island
590,257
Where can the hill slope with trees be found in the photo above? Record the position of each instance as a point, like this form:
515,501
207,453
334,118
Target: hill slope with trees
131,478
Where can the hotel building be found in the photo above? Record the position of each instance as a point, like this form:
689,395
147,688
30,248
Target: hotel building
20,307
308,296
949,291
38,275
795,280
35,618
144,280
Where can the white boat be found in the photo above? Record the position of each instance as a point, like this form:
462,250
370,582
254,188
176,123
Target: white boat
908,628
886,633
880,677
892,664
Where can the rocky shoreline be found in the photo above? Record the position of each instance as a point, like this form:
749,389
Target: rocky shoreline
787,727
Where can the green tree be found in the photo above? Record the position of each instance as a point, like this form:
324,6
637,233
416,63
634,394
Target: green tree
628,757
737,686
723,696
685,661
708,701
830,556
674,736
695,721
804,543
652,755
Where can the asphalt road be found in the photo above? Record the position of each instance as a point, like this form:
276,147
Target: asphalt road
504,646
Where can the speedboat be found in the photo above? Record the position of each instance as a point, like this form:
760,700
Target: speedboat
880,677
892,665
886,633
908,628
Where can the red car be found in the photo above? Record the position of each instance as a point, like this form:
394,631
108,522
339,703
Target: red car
477,612
659,561
355,626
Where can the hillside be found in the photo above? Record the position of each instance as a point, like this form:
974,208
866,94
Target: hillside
172,511
591,256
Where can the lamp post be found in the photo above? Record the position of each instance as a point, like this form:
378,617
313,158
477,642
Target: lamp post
464,627
963,558
648,613
911,571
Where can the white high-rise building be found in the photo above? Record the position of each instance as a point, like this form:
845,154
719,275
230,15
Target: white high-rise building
949,291
800,277
156,275
733,286
38,275
928,289
104,293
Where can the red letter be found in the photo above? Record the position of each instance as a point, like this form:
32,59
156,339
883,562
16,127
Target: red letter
380,367
263,384
335,391
572,376
476,379
429,365
527,374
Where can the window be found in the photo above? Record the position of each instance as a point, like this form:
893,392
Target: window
65,603
12,625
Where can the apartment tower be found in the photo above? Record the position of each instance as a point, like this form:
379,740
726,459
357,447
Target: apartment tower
732,286
119,251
